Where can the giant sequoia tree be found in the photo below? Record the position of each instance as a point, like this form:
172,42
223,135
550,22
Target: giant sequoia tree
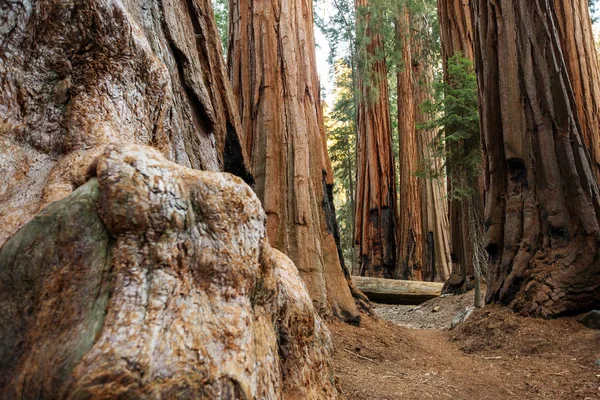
273,70
410,224
376,205
577,43
434,210
542,208
456,36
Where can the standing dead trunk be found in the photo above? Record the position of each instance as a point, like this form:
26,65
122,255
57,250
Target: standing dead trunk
456,36
76,76
273,71
376,204
410,248
542,200
434,210
579,50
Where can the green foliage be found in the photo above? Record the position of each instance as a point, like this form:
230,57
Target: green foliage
456,116
221,9
341,140
338,28
593,4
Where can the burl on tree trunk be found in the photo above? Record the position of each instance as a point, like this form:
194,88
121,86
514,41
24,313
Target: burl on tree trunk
376,205
272,66
542,200
156,281
76,76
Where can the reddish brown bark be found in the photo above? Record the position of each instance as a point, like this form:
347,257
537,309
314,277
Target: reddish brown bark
456,35
273,71
410,230
376,204
542,200
456,30
434,210
577,43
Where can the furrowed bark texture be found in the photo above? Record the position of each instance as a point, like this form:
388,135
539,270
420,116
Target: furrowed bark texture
456,35
434,210
75,76
410,243
376,203
456,29
155,281
542,201
579,50
272,67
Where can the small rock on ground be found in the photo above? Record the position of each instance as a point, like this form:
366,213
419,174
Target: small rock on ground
591,319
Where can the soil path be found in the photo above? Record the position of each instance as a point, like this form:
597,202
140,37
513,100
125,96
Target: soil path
495,355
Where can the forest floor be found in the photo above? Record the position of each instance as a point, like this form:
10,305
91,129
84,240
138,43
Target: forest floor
495,354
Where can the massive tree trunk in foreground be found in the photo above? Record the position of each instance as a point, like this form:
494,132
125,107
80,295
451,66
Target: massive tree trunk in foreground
456,35
434,210
376,205
542,201
155,281
273,70
75,76
410,244
579,50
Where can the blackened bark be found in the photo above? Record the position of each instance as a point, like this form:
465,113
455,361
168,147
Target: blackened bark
376,204
542,201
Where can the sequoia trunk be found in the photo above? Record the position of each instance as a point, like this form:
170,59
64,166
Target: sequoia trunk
410,243
456,36
273,71
434,210
376,205
542,202
577,43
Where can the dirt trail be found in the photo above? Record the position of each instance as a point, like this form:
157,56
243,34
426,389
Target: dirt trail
495,355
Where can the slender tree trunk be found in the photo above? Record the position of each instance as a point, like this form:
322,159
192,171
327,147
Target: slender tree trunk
579,50
351,162
456,36
542,200
410,230
376,205
353,56
273,70
434,210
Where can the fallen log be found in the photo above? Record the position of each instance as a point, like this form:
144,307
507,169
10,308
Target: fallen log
392,291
